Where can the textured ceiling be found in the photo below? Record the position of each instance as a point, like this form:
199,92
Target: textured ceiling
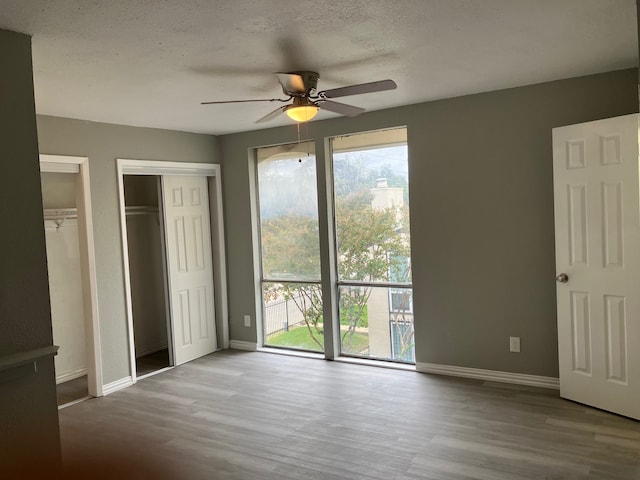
151,62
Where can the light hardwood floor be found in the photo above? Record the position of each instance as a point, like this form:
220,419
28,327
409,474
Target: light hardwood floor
152,362
251,415
72,390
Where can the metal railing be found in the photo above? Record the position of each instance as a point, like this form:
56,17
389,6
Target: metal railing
280,315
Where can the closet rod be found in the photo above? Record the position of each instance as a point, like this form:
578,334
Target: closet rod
60,213
141,210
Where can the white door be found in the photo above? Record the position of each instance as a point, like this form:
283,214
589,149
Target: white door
597,225
189,265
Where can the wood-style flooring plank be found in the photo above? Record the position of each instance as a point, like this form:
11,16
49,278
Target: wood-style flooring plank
250,415
152,362
72,390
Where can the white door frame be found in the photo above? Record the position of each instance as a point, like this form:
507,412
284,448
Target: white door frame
213,171
80,167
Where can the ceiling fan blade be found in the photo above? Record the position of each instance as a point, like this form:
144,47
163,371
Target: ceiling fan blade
341,108
370,87
272,115
291,82
245,101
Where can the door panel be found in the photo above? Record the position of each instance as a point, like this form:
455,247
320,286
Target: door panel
190,266
597,221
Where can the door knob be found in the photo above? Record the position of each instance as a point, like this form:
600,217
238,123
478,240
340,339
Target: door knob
562,278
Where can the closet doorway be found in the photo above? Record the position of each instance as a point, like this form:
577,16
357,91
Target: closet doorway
72,283
145,234
174,263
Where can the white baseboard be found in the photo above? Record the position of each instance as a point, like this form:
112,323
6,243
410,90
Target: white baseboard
150,349
240,345
490,375
66,377
117,385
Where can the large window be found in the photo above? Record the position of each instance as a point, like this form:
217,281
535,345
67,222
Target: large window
290,252
373,290
370,173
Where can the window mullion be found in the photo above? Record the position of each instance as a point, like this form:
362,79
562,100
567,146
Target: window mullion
327,248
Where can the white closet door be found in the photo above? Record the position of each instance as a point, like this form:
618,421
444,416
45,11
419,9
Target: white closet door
597,215
189,265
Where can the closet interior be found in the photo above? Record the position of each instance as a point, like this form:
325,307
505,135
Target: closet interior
151,326
59,193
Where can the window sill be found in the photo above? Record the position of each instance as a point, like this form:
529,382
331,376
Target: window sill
377,363
352,360
291,353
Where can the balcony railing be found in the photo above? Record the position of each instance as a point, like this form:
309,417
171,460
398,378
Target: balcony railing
280,315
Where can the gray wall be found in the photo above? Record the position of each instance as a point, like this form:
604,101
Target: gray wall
28,413
58,190
481,194
103,144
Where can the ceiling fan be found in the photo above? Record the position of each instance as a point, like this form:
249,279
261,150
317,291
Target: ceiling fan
300,87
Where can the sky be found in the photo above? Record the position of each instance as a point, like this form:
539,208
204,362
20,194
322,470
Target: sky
288,186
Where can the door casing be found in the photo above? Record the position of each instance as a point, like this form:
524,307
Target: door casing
213,174
80,166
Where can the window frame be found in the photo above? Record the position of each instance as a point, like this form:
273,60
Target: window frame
262,279
339,283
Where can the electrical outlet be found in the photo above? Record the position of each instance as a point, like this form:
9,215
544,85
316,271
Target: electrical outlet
514,344
247,320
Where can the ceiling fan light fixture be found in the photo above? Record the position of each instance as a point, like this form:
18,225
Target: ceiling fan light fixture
302,113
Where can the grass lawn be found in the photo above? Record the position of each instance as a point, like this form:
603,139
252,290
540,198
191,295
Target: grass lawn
299,337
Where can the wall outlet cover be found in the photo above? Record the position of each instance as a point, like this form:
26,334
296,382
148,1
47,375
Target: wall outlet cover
514,344
247,320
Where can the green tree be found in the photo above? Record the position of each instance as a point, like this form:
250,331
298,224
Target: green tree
371,243
290,249
371,247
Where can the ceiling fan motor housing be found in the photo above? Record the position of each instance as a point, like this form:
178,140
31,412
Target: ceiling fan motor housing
309,79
